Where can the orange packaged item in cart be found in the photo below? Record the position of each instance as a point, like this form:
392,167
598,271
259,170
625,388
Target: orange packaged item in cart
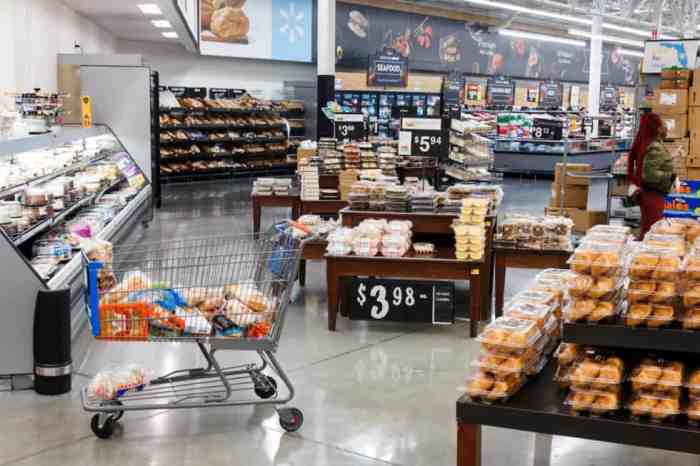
125,320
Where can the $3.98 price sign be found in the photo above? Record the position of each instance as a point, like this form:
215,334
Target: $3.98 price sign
401,300
350,130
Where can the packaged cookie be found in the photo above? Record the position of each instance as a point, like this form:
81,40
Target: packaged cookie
595,403
590,310
657,408
657,376
509,335
597,259
655,263
486,387
649,315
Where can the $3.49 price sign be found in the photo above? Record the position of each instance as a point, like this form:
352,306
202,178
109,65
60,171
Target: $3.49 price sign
401,300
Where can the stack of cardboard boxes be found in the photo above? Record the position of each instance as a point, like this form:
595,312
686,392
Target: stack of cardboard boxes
575,192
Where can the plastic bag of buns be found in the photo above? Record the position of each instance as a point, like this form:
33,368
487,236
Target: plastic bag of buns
600,288
657,407
687,228
594,402
650,315
667,242
598,259
616,238
656,375
657,263
488,387
590,310
509,335
610,229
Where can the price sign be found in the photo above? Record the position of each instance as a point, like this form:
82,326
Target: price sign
500,91
547,129
401,301
350,126
421,136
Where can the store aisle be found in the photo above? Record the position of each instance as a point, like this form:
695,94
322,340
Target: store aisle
372,394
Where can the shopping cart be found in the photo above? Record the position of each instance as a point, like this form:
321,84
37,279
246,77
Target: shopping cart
224,293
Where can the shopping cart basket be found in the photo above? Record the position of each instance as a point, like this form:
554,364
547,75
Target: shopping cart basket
223,293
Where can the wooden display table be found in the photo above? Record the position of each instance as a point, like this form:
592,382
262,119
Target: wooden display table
429,173
322,207
523,259
441,266
290,200
538,407
313,250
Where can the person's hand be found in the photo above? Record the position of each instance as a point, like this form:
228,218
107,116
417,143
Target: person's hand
633,190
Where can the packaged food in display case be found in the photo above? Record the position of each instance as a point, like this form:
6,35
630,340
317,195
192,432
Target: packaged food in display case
656,407
649,315
655,263
657,375
595,370
598,259
594,402
510,335
486,387
591,310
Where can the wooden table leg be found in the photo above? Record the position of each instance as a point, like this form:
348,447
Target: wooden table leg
468,444
485,289
332,285
256,215
296,210
475,301
302,273
500,261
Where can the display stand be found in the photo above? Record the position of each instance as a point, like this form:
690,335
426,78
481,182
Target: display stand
290,200
313,250
331,207
505,258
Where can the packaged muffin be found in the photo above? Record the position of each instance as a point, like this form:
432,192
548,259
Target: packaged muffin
649,315
508,334
596,403
655,263
657,375
590,310
597,259
486,387
657,408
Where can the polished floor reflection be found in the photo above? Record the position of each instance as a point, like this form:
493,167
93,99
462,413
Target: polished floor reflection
372,394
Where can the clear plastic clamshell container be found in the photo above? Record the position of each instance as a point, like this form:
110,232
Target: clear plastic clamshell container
618,239
508,334
649,315
655,263
687,228
652,291
690,318
657,375
568,353
655,407
597,259
594,402
538,313
693,383
693,410
691,267
597,372
486,387
592,310
601,288
610,229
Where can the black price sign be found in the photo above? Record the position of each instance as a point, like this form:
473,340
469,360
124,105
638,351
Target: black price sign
551,94
350,127
547,129
426,143
500,91
401,301
422,136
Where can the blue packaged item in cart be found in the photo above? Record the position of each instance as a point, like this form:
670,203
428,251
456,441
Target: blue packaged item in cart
225,327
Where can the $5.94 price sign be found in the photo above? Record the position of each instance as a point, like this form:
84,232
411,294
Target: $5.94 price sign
421,136
401,300
426,143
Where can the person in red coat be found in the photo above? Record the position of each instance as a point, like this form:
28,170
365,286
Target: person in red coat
650,170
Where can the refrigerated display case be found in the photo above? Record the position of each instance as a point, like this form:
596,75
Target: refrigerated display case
433,105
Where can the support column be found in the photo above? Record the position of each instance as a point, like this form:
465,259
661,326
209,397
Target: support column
326,63
595,61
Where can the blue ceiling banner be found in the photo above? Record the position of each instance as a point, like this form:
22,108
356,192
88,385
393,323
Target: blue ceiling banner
439,44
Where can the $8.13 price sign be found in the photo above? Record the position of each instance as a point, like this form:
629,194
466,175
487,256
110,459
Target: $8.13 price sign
401,300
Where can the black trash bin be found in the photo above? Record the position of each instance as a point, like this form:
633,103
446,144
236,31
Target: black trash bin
52,342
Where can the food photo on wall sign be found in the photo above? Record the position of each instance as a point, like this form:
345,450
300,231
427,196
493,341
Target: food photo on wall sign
224,21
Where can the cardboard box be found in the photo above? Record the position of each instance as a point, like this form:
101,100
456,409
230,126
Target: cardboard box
575,196
670,101
694,143
572,168
693,118
676,73
692,161
693,174
583,219
694,95
675,84
679,149
677,125
619,186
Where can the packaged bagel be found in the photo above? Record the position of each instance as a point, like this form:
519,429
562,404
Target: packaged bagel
509,335
656,407
657,376
597,259
649,315
593,402
486,387
655,263
602,288
590,310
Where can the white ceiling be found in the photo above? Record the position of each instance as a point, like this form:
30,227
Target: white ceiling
120,17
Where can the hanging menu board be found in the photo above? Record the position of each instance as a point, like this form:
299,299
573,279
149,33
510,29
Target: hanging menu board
453,89
225,93
500,91
387,68
193,92
551,94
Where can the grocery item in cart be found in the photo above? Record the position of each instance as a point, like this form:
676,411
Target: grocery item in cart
114,383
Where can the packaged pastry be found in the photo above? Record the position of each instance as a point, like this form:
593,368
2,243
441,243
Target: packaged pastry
590,310
610,229
691,318
597,259
596,403
655,263
657,375
508,334
595,371
487,387
657,408
693,410
669,242
691,267
502,365
693,383
520,309
568,353
650,315
587,286
686,228
618,239
651,291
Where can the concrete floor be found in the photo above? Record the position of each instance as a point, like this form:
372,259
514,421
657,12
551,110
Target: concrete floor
372,393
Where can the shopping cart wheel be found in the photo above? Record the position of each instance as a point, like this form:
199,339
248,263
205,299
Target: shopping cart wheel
291,419
106,429
269,391
116,415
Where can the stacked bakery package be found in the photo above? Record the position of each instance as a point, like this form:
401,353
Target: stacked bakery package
368,157
597,289
397,199
351,156
371,237
423,201
525,231
387,160
517,345
310,189
452,203
272,186
470,228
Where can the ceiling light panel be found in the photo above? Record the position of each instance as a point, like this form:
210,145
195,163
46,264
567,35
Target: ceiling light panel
149,9
531,11
162,23
611,39
170,34
541,37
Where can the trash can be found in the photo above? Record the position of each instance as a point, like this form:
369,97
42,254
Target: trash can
52,342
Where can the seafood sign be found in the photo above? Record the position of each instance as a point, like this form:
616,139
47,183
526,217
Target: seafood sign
387,68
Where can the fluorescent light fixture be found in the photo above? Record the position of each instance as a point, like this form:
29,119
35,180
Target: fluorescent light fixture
530,11
631,53
611,39
542,37
149,9
636,32
162,23
170,34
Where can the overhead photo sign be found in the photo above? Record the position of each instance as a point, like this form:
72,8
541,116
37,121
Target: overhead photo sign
387,68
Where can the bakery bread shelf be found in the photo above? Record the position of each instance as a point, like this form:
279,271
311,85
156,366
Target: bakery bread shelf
219,127
618,335
219,141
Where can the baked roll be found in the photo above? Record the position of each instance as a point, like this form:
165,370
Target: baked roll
230,24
